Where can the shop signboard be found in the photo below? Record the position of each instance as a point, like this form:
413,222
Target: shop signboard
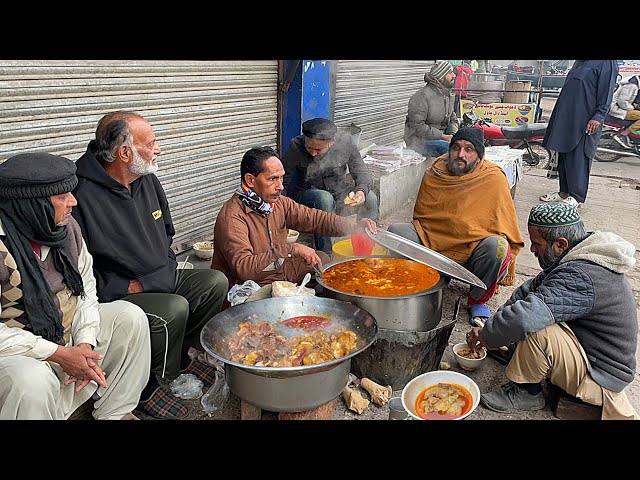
507,114
628,68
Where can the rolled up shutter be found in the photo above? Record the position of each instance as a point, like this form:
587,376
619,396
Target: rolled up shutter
205,115
374,95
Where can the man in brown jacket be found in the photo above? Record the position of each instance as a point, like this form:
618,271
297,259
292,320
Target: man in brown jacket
250,234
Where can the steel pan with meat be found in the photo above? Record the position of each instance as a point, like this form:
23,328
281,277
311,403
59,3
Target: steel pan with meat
293,388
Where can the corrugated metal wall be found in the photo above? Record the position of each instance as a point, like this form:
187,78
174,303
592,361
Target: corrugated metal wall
374,95
205,115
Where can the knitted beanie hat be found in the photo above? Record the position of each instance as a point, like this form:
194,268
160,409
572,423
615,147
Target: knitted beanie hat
441,68
473,135
554,214
36,175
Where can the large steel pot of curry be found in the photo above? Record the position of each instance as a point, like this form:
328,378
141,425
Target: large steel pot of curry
287,319
418,311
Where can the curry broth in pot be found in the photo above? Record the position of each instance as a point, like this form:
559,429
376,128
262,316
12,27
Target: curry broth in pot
380,277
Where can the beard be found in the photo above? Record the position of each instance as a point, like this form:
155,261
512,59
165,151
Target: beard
549,257
456,170
140,167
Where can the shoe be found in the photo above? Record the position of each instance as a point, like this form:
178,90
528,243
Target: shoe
570,201
511,397
502,356
551,197
203,357
623,141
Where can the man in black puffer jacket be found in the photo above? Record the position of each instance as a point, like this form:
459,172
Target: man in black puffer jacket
575,323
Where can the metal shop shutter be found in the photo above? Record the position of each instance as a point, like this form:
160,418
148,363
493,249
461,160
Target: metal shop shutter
374,95
205,115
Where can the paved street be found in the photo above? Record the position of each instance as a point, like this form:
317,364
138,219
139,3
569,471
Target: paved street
613,204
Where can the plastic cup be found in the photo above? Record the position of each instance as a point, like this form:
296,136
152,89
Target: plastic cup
362,245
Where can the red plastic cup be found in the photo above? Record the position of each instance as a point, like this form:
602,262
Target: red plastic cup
362,245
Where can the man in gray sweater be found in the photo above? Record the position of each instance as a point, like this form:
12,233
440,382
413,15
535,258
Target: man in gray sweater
575,323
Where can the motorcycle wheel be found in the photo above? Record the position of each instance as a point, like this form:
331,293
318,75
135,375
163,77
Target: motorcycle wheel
607,141
541,155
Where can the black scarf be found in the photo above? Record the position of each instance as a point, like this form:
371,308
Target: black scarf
34,219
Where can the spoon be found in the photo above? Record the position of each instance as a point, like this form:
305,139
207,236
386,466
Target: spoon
305,280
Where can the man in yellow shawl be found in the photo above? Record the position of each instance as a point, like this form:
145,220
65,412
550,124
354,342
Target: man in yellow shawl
464,211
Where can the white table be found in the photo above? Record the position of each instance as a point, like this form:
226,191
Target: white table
510,160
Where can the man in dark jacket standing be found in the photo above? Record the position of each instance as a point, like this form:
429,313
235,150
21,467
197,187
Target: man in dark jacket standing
575,323
575,126
316,174
125,219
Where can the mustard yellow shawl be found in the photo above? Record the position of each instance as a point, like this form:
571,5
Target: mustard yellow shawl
452,214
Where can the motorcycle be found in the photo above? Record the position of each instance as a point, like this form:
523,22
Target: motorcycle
528,137
608,150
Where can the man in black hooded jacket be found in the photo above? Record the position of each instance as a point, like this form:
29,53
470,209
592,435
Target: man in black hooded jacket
125,219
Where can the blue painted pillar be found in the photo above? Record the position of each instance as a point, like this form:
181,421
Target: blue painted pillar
309,96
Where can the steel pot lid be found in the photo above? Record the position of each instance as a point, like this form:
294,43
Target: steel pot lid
425,255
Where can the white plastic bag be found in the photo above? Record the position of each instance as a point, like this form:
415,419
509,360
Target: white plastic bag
187,386
289,289
217,393
239,293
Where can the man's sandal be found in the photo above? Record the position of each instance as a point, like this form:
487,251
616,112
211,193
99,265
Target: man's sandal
551,197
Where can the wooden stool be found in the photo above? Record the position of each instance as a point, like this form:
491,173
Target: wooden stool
568,407
323,412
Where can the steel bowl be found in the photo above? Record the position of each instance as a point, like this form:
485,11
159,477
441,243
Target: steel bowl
287,389
417,312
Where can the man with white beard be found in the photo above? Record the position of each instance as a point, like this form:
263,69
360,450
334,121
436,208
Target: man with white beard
125,220
574,324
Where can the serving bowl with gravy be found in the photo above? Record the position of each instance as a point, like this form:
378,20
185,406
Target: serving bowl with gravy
440,395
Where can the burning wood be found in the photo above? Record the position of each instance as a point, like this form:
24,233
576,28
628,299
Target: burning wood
379,394
354,399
